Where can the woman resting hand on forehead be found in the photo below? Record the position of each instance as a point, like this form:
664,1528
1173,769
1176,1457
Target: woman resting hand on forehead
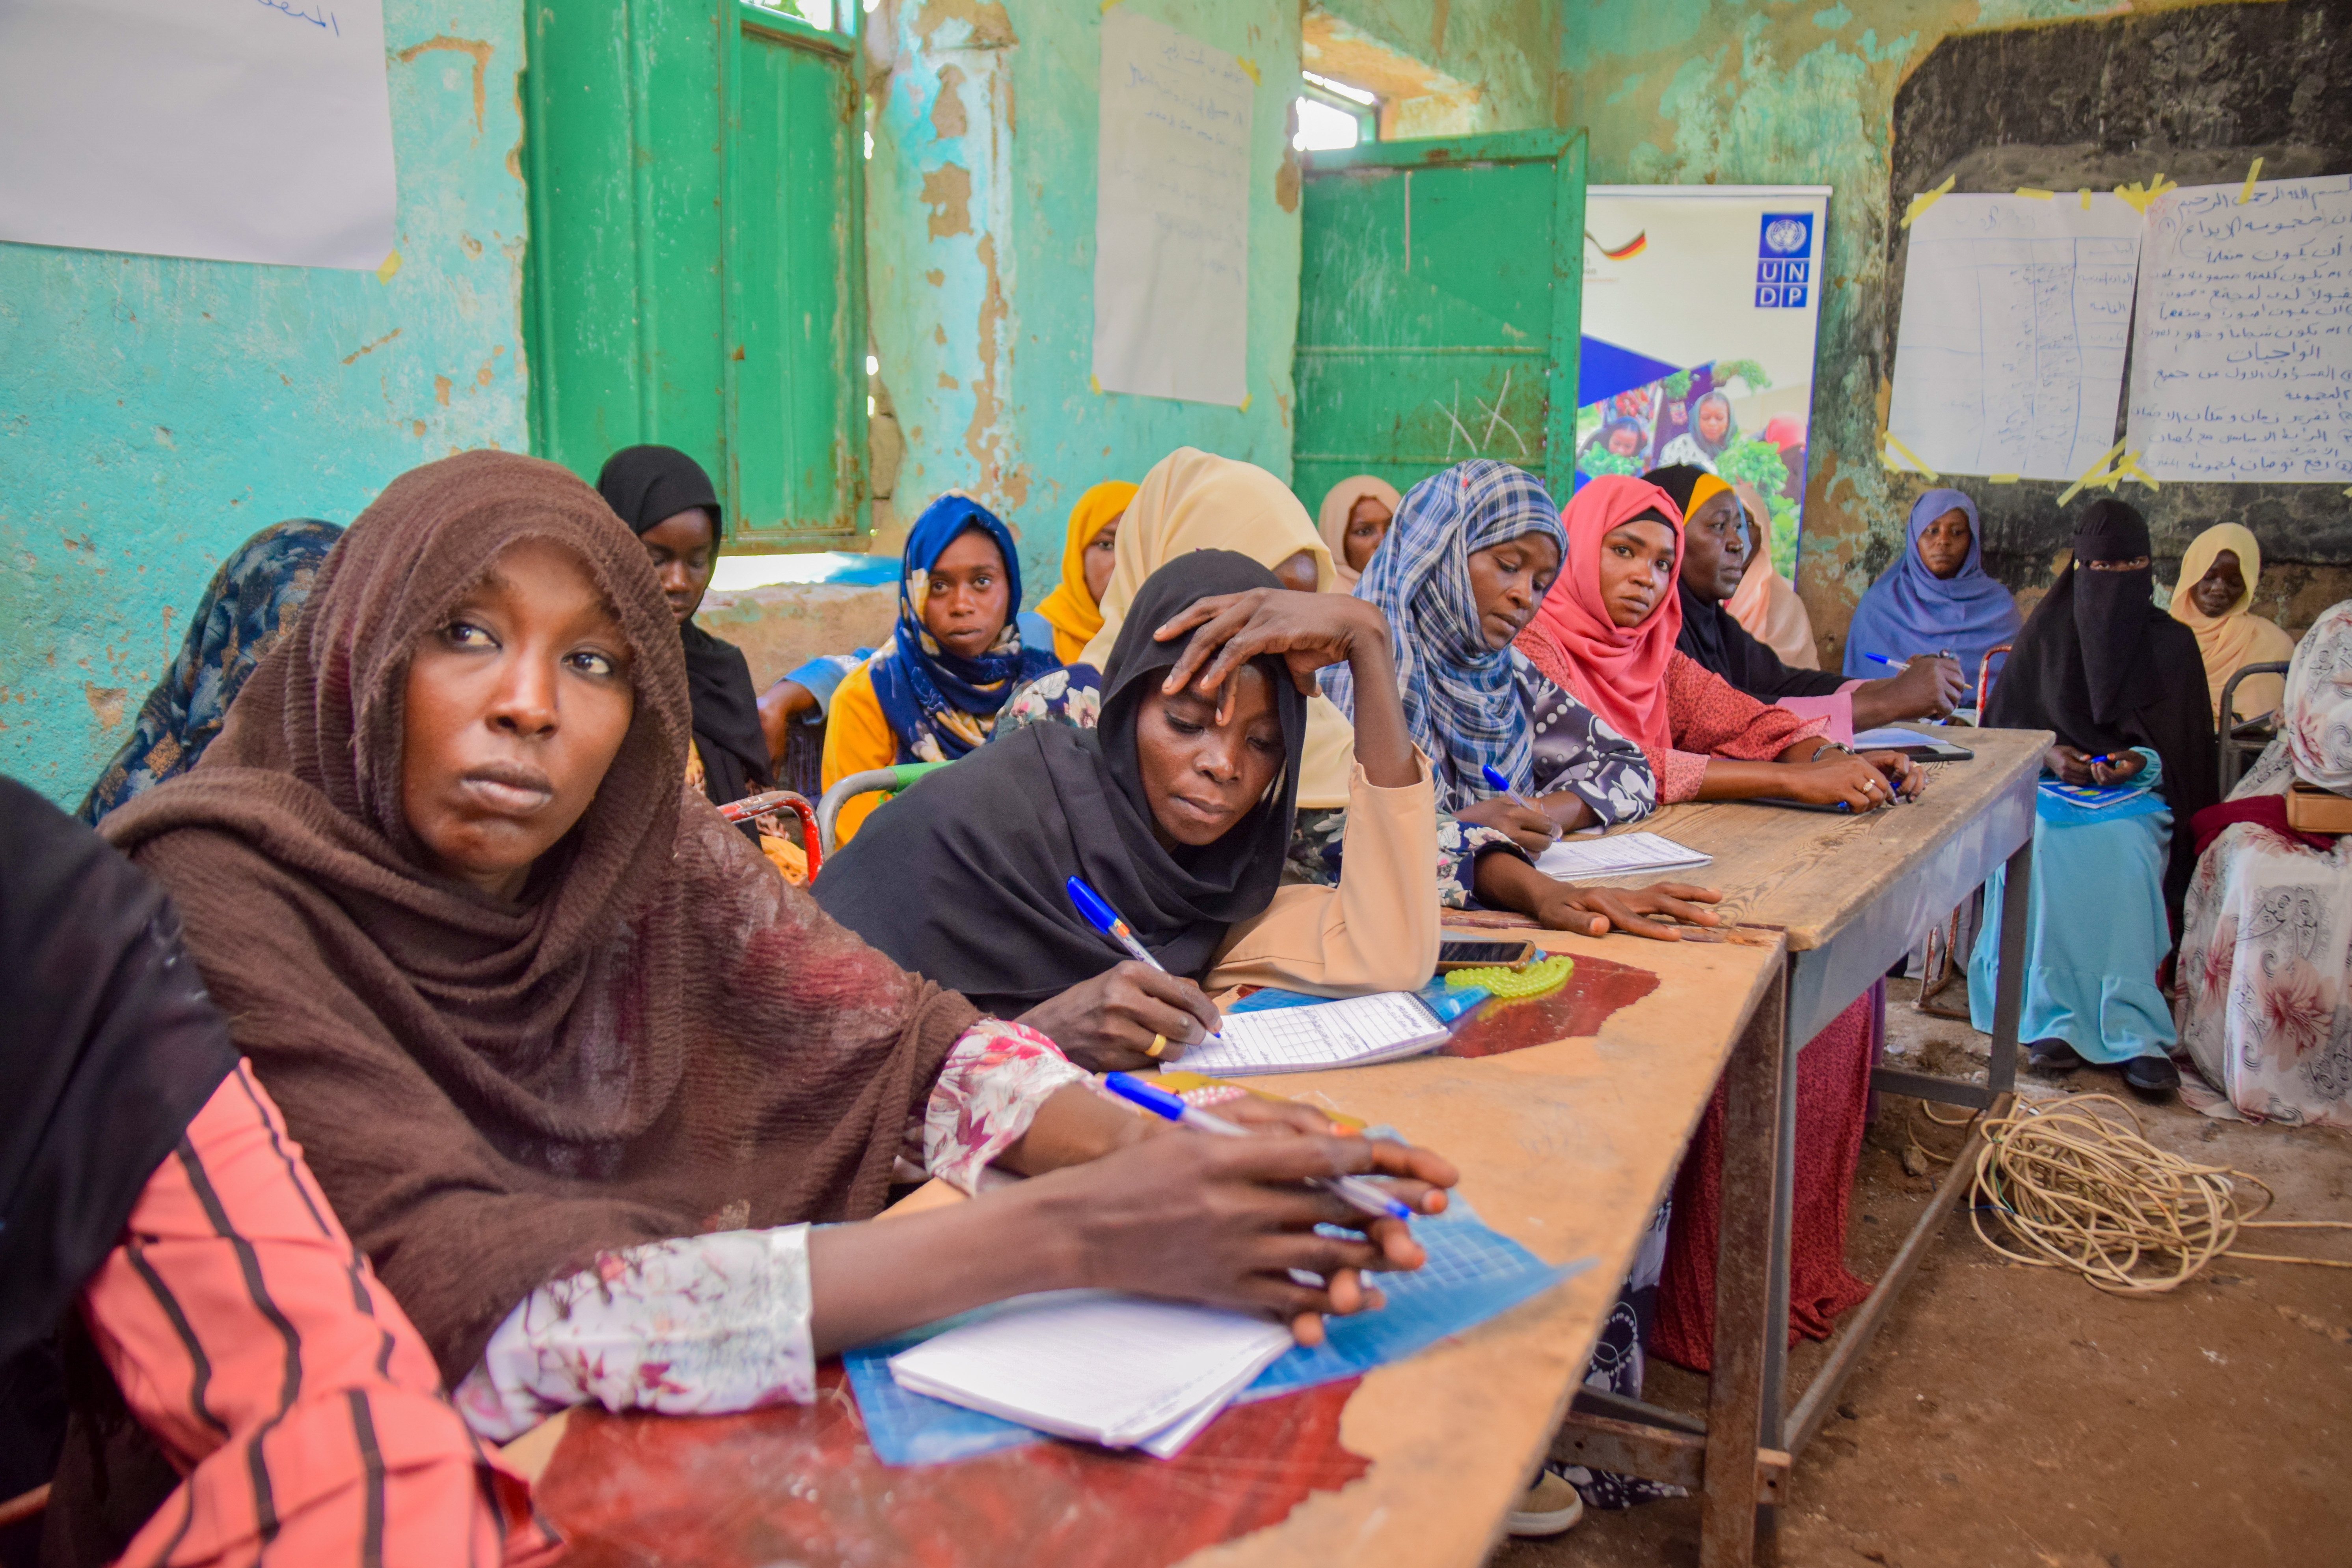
579,1071
1175,807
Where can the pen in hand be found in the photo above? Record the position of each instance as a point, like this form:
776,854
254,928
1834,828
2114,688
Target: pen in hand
1105,920
1496,781
1354,1191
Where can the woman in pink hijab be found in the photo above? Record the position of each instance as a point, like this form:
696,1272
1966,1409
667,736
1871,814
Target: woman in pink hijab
1605,633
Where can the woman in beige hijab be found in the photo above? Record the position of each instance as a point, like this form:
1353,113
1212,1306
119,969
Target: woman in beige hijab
1354,519
1764,604
2218,577
1193,500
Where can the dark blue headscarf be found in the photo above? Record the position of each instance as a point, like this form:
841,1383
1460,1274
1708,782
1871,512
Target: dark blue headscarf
938,705
252,598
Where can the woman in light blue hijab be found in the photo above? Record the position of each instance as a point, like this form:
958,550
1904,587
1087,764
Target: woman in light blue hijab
1935,598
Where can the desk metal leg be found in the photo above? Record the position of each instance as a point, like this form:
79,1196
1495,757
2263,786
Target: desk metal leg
1749,1316
2008,986
1784,1204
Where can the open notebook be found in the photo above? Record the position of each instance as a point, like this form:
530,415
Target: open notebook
1353,1033
1115,1369
1618,855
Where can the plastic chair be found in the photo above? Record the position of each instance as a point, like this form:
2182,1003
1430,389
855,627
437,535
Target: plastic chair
889,781
2240,739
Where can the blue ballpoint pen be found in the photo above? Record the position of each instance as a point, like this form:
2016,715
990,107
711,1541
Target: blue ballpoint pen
1496,781
1889,663
1354,1191
1105,920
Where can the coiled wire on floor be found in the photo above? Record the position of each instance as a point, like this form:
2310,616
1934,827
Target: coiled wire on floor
2070,1183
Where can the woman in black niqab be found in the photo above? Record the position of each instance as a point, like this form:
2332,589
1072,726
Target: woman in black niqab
2103,666
962,879
647,486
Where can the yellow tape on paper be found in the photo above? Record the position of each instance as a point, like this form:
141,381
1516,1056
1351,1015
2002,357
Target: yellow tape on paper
2002,478
1248,65
1910,457
2094,474
390,265
2139,196
2037,195
1926,199
2253,174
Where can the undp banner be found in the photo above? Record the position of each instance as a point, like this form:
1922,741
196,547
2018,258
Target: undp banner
1699,308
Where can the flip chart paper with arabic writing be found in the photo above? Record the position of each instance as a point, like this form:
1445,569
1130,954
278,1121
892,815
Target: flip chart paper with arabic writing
2241,355
1172,215
2010,358
228,129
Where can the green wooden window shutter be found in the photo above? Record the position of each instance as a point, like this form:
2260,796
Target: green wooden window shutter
697,266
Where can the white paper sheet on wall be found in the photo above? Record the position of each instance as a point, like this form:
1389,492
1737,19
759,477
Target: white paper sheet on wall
2016,313
230,130
1171,215
2242,354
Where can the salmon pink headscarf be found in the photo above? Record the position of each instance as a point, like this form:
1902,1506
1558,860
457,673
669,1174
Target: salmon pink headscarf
1619,672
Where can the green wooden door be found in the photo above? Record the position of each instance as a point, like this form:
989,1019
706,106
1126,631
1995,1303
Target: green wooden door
1439,304
697,268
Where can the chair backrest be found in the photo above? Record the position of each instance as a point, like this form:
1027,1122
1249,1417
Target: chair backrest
2233,740
888,781
1984,679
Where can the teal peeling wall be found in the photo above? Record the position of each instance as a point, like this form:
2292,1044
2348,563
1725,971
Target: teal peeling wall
1698,91
1503,47
981,244
157,411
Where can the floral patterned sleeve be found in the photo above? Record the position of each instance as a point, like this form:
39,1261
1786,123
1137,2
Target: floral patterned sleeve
1316,842
709,1324
1577,752
1071,695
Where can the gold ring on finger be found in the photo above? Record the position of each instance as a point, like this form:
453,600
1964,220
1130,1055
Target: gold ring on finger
1159,1044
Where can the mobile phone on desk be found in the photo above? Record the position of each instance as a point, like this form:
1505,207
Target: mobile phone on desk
1453,953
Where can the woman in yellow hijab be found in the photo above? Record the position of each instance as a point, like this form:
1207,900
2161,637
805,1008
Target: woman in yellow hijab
1071,609
1193,500
2218,577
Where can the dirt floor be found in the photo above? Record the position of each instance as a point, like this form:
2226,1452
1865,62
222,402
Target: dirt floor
2012,1415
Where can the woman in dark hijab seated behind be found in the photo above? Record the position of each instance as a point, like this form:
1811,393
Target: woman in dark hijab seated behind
588,1081
2123,685
148,1192
669,503
1715,559
1176,808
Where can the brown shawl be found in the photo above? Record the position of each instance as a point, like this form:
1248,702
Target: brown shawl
663,1038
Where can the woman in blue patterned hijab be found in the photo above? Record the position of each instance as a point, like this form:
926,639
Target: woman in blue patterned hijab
252,598
941,704
1466,562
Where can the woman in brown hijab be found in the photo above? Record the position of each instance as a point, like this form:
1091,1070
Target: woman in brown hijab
575,1067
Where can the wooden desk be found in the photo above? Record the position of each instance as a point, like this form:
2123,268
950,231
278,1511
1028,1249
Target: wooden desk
1852,895
1567,1148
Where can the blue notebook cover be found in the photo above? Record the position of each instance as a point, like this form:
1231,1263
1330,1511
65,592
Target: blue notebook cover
1473,1274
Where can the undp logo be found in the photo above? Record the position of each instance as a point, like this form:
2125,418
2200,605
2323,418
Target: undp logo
1784,267
1786,236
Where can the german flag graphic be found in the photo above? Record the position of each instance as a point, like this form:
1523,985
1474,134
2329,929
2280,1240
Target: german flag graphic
1631,248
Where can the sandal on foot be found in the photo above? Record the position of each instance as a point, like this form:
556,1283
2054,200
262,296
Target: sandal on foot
1551,1508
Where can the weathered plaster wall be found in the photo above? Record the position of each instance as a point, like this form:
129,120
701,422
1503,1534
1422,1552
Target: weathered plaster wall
1690,91
1497,51
981,247
156,411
